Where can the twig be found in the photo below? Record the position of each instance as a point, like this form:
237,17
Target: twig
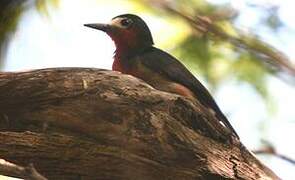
10,169
269,149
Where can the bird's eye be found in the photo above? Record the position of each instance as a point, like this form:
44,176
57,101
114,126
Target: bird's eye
126,22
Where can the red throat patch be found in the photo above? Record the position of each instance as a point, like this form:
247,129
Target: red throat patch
125,40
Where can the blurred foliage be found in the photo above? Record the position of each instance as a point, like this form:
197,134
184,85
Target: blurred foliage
43,5
248,69
10,13
271,18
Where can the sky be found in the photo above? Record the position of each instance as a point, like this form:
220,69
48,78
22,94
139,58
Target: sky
62,41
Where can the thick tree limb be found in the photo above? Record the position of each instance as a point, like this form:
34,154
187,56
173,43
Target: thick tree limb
100,124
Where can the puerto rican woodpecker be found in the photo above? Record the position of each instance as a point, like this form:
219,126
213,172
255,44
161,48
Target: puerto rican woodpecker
135,55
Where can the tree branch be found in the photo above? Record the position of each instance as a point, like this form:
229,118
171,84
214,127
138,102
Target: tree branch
270,149
29,172
105,125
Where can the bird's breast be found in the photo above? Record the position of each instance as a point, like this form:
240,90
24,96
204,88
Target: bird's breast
117,65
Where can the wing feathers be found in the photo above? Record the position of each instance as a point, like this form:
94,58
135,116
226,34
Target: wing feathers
165,64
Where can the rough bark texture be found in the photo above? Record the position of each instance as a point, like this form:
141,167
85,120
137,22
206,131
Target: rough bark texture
81,123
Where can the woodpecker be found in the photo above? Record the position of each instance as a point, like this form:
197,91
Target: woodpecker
136,55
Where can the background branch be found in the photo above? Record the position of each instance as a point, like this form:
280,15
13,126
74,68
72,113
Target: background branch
204,24
270,149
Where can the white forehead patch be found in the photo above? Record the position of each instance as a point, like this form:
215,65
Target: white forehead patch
117,22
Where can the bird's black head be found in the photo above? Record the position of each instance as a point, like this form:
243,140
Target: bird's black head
129,32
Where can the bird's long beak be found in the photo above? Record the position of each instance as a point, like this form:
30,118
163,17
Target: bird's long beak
99,26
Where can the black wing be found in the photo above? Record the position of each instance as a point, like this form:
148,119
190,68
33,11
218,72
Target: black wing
164,63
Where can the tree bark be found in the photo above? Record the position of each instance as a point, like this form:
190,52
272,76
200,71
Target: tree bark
82,123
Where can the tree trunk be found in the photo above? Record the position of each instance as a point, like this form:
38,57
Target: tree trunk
81,123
